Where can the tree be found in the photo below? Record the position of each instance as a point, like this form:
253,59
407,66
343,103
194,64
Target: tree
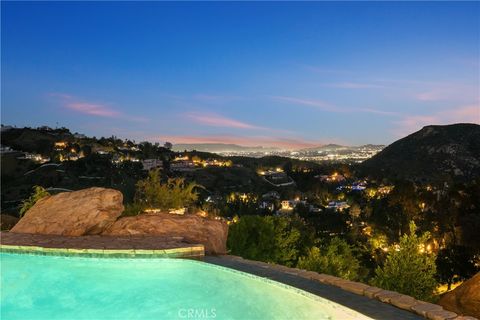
355,211
252,237
409,269
38,193
87,150
404,201
336,259
168,145
173,194
269,239
455,263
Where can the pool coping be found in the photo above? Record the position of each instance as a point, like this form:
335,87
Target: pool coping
401,302
101,246
193,251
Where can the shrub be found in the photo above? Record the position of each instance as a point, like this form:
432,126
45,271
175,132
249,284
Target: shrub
132,209
173,194
38,193
408,269
336,259
269,239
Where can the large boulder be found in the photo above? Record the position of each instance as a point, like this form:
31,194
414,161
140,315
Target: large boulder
77,213
464,299
194,229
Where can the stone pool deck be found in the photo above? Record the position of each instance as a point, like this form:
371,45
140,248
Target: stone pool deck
100,246
370,301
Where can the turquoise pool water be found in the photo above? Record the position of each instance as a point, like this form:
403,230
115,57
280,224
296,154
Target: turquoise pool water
52,287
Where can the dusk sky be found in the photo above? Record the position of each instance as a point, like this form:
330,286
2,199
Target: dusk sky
282,74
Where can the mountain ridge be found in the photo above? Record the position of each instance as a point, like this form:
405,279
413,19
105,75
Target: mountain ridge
433,154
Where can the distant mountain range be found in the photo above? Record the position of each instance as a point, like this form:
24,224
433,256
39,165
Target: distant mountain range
222,147
219,147
337,147
433,154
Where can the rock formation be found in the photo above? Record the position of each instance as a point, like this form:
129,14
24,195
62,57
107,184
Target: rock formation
77,213
465,299
194,229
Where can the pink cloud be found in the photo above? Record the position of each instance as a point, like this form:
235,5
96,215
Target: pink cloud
468,113
330,107
449,92
215,120
462,114
430,96
410,124
92,108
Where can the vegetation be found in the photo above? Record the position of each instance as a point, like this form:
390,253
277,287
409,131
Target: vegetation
269,239
455,263
335,258
38,193
174,194
133,209
410,269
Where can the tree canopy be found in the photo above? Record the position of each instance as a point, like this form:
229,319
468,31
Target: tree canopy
409,269
336,258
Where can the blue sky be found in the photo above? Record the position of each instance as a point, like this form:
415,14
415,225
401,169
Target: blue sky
283,74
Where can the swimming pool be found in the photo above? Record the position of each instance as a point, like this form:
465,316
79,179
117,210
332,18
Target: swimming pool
55,287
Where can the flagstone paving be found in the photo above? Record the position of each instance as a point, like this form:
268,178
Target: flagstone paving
369,307
144,246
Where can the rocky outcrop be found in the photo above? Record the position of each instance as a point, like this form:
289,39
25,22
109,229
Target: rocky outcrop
84,212
194,229
465,299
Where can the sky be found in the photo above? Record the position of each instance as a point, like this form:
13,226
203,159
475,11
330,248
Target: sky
281,74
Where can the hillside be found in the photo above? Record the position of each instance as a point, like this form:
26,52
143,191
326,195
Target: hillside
433,154
34,140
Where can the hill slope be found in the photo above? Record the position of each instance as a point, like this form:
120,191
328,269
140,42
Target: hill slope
433,154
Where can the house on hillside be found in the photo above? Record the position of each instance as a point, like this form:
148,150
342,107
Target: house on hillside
149,164
182,166
271,195
338,205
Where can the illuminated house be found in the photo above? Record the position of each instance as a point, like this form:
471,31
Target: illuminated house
149,164
335,177
271,195
182,166
287,205
338,205
60,145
